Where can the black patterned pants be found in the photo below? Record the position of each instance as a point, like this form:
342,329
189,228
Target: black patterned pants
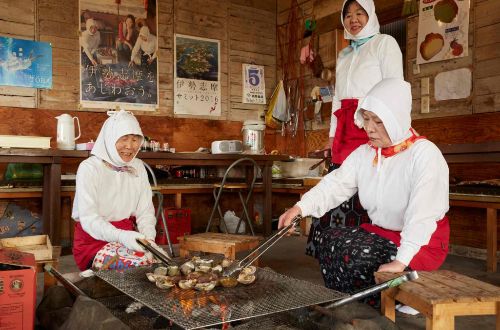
348,258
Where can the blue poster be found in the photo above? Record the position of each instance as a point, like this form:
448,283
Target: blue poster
25,63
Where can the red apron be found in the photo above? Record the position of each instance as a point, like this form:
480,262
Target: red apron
85,247
348,136
430,256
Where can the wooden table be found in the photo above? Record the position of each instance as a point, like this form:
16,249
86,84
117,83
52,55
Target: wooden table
53,158
441,295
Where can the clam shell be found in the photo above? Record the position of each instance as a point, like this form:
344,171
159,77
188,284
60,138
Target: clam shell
246,279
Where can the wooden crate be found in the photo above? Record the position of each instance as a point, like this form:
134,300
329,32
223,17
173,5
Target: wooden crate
38,245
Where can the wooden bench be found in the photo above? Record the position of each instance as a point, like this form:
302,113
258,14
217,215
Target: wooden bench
226,244
440,296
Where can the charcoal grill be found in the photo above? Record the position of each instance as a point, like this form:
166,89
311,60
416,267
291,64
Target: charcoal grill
270,293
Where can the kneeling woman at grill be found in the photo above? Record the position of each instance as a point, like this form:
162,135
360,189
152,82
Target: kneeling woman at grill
402,181
113,196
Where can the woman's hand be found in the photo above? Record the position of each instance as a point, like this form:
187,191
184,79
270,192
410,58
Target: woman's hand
392,267
286,218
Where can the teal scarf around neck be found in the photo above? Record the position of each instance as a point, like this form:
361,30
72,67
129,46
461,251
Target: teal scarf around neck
355,44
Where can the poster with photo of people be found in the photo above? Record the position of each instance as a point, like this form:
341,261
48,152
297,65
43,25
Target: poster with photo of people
118,54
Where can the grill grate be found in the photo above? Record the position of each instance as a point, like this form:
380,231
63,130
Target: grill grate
190,309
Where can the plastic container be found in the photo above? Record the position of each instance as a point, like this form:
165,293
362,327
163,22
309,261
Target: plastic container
253,137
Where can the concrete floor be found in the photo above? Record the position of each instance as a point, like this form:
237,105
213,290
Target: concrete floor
287,257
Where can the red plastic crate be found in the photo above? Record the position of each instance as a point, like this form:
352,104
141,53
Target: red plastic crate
178,223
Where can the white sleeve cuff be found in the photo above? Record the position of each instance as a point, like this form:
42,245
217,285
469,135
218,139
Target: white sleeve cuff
406,252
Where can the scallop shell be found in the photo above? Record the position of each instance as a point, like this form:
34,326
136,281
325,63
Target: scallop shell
246,278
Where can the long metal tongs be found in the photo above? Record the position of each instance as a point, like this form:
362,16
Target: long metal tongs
260,249
163,257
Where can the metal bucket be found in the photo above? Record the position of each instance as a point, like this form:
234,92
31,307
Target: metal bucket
253,137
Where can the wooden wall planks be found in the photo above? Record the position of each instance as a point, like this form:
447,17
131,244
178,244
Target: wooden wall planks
253,23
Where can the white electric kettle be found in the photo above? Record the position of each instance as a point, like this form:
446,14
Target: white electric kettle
66,131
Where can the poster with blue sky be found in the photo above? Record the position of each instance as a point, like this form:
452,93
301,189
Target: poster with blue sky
25,63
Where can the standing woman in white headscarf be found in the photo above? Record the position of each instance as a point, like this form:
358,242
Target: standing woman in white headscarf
370,57
89,40
146,42
402,181
113,195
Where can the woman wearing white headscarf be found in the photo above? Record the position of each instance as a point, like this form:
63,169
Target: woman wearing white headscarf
402,181
89,40
112,192
371,57
146,42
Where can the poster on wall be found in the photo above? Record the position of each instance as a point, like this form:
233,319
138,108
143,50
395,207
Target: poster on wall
25,63
197,89
254,88
443,30
118,54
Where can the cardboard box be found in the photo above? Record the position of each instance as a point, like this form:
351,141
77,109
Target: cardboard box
17,289
38,245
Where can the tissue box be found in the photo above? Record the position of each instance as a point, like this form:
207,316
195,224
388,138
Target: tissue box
17,289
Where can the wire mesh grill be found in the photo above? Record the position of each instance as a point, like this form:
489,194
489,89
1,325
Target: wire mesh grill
190,309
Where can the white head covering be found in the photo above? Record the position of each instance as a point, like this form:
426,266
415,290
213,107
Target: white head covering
371,28
90,23
144,31
390,100
117,125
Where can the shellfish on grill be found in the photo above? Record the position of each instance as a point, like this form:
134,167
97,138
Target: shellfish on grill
187,267
164,283
246,278
161,271
186,284
173,270
226,262
205,286
250,270
228,282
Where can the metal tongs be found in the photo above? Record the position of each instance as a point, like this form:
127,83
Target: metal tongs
236,267
163,257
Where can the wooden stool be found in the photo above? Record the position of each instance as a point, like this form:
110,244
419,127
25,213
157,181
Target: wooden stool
440,296
226,244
